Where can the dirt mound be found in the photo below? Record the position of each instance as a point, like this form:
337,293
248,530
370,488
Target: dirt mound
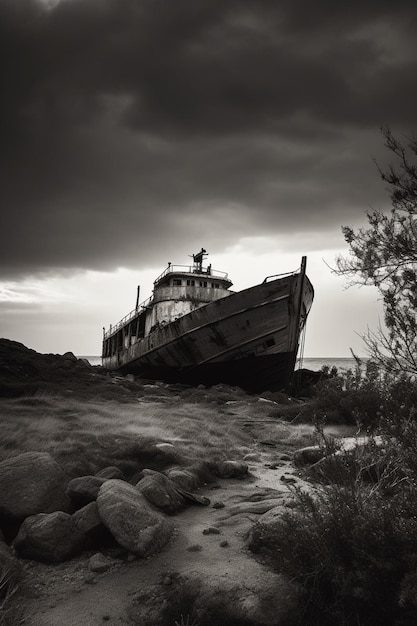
24,371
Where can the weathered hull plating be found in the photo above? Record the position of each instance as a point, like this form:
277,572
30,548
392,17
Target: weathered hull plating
249,338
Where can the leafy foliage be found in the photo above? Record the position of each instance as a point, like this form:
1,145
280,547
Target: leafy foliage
352,542
385,255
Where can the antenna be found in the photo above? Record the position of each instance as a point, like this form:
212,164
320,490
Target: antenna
198,259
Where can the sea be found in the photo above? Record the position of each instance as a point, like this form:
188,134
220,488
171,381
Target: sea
341,363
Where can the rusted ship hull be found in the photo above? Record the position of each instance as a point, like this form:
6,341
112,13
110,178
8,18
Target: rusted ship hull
249,338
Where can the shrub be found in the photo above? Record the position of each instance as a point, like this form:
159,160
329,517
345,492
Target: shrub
352,542
353,551
364,396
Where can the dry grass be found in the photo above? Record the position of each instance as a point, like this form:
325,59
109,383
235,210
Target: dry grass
8,587
86,435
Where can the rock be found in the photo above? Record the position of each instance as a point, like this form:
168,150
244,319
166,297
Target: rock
288,479
195,547
315,454
98,563
110,472
23,372
211,530
32,483
87,520
252,456
49,538
223,601
160,491
231,469
85,362
131,520
259,601
84,489
183,478
308,455
194,498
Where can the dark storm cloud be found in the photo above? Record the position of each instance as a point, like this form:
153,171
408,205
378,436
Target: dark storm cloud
132,126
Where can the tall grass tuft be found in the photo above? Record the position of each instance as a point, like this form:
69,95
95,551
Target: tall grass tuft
8,587
353,551
351,543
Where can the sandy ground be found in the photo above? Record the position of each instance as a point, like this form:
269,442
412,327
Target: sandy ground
209,541
70,595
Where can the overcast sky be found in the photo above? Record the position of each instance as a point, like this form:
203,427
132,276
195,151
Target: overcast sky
135,132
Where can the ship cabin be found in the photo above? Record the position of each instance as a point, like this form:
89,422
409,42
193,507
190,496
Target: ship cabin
179,290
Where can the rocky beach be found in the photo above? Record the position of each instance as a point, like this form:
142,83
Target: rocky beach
134,502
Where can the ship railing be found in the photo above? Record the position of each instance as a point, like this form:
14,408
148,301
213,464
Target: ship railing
127,318
192,269
189,269
274,276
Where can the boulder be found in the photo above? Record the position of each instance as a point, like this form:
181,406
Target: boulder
184,478
308,455
49,538
160,491
87,520
131,520
84,489
31,483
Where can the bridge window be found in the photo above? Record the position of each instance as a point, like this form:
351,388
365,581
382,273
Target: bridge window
190,283
203,283
176,281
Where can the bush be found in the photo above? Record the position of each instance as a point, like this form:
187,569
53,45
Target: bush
352,542
352,397
353,551
365,397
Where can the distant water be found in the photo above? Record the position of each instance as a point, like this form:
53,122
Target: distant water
315,364
343,364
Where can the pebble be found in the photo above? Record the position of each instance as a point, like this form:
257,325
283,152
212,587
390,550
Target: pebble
218,505
211,530
195,548
99,563
288,479
90,580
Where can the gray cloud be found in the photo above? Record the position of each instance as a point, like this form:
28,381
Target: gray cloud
129,127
